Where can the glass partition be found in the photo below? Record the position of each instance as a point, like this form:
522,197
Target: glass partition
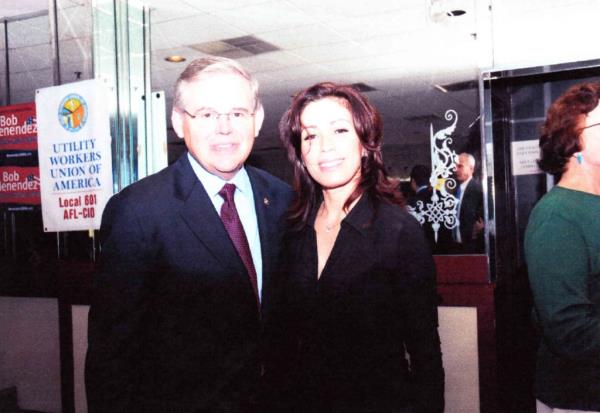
514,105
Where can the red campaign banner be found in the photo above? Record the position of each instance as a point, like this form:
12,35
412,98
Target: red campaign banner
18,127
20,185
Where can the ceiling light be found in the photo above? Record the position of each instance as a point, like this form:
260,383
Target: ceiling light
362,87
459,86
175,58
455,13
443,11
440,88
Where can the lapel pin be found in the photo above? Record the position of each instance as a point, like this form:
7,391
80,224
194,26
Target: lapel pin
266,201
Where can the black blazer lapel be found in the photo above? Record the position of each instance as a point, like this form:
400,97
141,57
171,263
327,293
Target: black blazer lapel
200,215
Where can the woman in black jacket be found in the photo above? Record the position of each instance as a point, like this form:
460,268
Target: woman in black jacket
358,303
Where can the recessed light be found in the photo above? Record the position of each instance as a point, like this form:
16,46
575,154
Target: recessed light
455,13
440,88
175,58
362,87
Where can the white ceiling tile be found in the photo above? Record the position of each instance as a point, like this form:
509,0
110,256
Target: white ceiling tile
297,72
264,17
518,6
389,43
331,52
216,5
165,10
332,9
303,36
197,29
288,81
383,24
366,64
271,61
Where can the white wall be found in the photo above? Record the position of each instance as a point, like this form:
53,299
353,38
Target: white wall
458,335
30,351
80,321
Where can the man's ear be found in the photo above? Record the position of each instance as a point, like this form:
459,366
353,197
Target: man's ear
259,117
177,121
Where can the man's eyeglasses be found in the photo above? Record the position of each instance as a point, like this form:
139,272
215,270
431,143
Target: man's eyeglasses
210,117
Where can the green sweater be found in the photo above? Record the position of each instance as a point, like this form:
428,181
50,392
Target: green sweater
562,250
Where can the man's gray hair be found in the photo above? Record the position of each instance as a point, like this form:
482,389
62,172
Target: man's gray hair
213,64
470,159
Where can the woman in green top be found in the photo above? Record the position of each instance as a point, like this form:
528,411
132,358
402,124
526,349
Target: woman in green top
562,249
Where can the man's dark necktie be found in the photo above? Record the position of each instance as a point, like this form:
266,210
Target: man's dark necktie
233,225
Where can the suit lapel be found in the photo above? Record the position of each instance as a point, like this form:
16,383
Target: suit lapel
200,215
267,220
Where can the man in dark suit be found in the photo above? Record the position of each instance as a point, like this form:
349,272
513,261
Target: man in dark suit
469,233
187,265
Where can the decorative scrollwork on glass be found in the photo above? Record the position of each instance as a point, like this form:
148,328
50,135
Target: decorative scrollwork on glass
442,208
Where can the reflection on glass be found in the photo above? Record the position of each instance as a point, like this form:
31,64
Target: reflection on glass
448,201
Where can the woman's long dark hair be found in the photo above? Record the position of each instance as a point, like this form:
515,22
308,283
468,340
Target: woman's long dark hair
374,181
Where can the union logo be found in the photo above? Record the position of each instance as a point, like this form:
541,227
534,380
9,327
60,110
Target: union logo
73,112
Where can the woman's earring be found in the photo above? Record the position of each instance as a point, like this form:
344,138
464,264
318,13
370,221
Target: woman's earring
579,157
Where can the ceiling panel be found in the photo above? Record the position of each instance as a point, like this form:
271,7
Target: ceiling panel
191,30
334,9
219,5
264,17
539,5
303,36
382,24
289,80
272,61
331,52
163,10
